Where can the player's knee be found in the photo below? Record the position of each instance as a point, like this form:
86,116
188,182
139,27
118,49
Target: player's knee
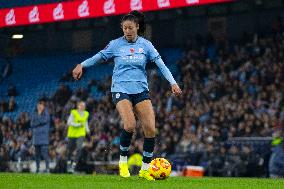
150,131
129,125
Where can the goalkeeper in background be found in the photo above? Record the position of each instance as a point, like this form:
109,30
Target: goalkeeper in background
77,130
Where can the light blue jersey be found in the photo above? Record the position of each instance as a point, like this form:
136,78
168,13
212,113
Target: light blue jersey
130,59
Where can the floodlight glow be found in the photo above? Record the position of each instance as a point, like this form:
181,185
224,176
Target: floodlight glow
17,36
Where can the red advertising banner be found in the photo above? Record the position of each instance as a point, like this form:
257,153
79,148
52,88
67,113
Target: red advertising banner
80,9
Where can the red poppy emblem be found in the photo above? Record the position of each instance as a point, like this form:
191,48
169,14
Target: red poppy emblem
132,50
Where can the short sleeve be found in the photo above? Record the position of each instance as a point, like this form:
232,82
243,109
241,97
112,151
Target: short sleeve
107,52
152,53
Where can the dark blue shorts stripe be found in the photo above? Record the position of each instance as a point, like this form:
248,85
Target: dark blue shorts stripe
133,98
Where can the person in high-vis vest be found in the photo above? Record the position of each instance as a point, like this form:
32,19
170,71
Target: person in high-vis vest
77,130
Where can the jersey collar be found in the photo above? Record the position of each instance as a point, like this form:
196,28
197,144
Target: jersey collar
131,41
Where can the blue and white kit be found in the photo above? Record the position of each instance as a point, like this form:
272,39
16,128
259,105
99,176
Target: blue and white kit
130,59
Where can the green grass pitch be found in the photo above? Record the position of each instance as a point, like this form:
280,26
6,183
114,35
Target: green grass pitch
54,181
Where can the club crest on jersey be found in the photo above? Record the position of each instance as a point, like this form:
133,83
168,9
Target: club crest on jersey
132,50
140,50
117,95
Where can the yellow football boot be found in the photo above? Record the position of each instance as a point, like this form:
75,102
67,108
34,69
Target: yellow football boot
123,170
146,175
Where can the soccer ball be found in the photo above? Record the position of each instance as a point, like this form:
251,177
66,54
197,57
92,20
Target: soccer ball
160,168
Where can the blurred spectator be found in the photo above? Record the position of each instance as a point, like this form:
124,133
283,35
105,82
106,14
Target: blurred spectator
234,166
1,135
83,165
62,95
78,128
12,91
12,104
82,93
23,121
252,161
66,77
4,159
3,106
213,159
40,124
276,161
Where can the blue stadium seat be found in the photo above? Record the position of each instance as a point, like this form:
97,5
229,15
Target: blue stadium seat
37,76
34,77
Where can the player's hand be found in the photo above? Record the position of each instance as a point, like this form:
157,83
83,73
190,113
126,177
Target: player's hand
77,72
176,90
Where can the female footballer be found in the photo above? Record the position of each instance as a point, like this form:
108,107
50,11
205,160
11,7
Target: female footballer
129,88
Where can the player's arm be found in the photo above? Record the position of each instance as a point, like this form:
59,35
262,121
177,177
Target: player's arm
165,71
103,55
92,61
78,71
87,127
168,75
34,121
71,121
154,56
43,120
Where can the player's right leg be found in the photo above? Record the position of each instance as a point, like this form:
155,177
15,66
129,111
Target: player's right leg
71,146
79,146
146,115
125,109
37,157
44,153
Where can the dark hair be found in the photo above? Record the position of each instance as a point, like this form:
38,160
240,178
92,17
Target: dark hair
138,18
42,100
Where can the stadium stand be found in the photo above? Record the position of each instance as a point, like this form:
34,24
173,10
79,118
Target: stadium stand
198,128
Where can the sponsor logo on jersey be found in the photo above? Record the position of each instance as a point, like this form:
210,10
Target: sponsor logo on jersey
133,58
10,17
34,15
109,7
58,12
83,9
136,5
163,3
132,50
122,50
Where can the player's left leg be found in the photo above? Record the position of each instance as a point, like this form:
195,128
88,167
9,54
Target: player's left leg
44,153
79,147
71,146
145,113
125,110
37,157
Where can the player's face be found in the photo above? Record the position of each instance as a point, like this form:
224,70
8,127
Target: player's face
40,107
81,106
130,29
